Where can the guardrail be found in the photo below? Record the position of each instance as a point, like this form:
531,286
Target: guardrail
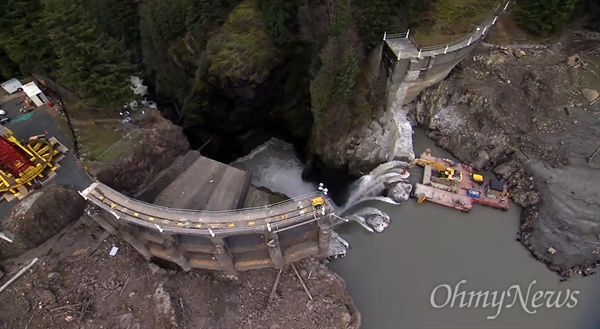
468,39
184,212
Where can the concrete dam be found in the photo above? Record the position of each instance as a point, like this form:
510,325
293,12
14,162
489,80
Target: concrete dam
199,218
199,213
410,68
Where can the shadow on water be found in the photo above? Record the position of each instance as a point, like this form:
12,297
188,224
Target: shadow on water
391,275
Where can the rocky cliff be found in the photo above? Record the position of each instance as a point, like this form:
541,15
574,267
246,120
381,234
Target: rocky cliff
159,144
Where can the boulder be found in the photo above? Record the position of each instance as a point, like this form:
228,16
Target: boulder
399,192
590,94
573,60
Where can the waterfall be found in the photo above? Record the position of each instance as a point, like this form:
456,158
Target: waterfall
371,187
374,183
275,167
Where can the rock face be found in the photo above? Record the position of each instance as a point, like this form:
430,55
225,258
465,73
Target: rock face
516,115
385,139
161,143
245,88
40,216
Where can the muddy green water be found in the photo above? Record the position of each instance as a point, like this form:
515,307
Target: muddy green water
391,275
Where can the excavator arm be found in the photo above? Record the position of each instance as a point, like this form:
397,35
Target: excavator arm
447,172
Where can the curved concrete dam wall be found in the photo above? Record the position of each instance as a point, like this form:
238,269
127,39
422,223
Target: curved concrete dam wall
410,68
229,240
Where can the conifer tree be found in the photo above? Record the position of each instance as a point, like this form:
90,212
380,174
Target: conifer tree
544,16
118,18
23,37
8,68
90,62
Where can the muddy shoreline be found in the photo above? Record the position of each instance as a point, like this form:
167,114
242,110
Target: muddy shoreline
521,112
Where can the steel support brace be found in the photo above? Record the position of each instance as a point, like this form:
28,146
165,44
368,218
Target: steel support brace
272,241
223,256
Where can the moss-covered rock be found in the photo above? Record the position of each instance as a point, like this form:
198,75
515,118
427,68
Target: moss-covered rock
242,50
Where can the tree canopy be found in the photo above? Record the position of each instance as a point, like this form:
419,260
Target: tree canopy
90,62
544,17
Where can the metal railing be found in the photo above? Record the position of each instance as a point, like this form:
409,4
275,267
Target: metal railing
276,226
178,211
473,35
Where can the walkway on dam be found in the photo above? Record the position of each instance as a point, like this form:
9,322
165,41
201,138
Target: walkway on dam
405,46
200,222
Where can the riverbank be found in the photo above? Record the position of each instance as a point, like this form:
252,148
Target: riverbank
526,113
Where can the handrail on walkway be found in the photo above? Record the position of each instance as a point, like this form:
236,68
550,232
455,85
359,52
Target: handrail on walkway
469,38
127,199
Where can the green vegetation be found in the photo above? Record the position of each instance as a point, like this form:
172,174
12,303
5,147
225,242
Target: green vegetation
242,50
449,20
8,68
544,17
23,36
374,17
304,60
93,65
97,139
61,40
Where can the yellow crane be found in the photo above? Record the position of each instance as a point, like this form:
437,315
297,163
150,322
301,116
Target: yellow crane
446,173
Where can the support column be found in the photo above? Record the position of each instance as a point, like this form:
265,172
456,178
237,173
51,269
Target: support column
272,241
325,224
102,219
176,256
136,243
223,256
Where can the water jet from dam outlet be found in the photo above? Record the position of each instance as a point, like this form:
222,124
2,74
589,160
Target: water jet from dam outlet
391,275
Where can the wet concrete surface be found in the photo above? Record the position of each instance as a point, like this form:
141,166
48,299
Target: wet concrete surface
391,275
37,122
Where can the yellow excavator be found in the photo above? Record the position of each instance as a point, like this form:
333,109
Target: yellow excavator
445,173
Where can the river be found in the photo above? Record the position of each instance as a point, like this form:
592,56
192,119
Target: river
391,275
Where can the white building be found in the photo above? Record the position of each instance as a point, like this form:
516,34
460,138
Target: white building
35,94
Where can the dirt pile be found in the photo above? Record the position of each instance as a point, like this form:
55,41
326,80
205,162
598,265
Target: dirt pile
79,285
521,109
38,217
161,142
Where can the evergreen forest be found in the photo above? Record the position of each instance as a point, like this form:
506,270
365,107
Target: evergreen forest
219,61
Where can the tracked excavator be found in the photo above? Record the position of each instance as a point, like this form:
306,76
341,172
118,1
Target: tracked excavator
445,173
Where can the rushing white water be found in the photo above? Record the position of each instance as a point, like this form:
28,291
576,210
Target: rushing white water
275,166
373,184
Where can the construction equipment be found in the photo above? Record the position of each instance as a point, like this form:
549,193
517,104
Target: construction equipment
28,164
445,173
318,204
477,178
